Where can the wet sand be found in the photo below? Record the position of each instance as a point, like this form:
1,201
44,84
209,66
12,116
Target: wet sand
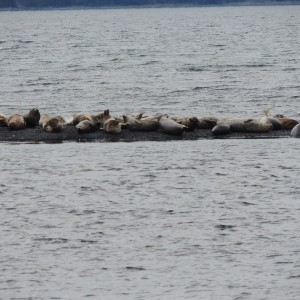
70,134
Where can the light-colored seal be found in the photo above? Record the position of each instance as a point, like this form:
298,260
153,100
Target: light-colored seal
190,122
208,122
169,126
15,122
32,118
247,125
221,129
295,133
276,125
52,124
86,126
140,123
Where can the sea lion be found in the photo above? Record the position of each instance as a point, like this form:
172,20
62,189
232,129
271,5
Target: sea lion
221,129
112,126
207,122
52,124
15,122
32,118
86,126
295,133
169,126
140,123
190,122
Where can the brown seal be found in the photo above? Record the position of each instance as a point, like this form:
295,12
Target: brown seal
15,122
98,119
32,118
287,123
112,125
2,119
52,124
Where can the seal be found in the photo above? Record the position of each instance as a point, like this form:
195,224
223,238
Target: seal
287,123
169,126
276,125
86,126
295,133
52,124
221,129
247,125
2,119
98,119
190,122
140,123
32,118
112,125
15,122
77,118
207,122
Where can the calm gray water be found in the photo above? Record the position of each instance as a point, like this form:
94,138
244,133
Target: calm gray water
207,219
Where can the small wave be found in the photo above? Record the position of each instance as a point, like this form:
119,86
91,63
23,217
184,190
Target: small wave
52,240
151,62
223,226
25,42
135,268
200,88
88,241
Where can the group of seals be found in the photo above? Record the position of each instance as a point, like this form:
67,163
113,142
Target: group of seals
173,125
18,122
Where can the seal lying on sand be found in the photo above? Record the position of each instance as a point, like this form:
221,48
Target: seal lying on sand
2,119
295,133
169,126
86,126
221,129
32,118
140,123
190,122
112,126
15,122
52,124
276,125
97,119
287,123
247,126
207,122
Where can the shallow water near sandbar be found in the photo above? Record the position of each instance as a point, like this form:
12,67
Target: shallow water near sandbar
205,219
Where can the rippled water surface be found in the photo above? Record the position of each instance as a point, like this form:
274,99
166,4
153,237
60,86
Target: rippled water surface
206,219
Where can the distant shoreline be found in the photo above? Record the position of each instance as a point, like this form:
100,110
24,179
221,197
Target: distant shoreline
241,4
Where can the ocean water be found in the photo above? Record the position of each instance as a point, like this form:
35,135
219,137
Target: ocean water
206,219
